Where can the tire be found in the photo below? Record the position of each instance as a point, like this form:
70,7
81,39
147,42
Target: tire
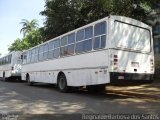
28,80
96,88
62,84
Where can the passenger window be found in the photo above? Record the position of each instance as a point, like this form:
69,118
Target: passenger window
36,55
50,54
7,60
32,55
56,53
103,41
80,35
100,29
84,46
24,58
88,45
97,42
51,45
71,38
40,57
10,58
56,43
64,41
88,32
40,49
28,56
100,42
45,52
63,51
70,49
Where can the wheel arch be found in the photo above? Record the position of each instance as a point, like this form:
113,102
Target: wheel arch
59,74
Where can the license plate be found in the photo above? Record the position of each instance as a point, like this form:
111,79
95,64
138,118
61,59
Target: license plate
135,64
120,77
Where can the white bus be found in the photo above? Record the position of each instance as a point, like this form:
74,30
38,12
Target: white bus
10,65
111,50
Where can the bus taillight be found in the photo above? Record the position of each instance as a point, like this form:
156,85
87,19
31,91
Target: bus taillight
152,64
115,56
115,62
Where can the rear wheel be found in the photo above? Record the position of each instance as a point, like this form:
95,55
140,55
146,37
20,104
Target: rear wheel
62,83
28,80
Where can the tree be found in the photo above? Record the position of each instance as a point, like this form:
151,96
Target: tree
65,15
32,39
17,45
28,26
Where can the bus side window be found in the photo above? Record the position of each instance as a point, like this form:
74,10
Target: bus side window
10,58
36,55
89,32
29,56
71,38
50,50
100,35
45,51
56,52
32,55
40,53
80,35
24,58
85,45
64,41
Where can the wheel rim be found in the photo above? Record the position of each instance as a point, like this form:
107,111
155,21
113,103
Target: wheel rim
62,83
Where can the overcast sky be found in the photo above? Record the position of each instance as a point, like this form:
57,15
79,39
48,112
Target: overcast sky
11,14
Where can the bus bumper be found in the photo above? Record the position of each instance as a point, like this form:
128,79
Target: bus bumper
130,78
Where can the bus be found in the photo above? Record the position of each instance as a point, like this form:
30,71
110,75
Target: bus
10,66
111,50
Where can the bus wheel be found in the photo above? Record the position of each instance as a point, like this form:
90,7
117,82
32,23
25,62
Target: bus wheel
62,83
29,81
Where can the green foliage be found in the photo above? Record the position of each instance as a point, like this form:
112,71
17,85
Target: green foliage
65,15
32,39
32,36
28,26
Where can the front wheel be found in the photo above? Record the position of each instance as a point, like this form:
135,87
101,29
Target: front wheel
62,83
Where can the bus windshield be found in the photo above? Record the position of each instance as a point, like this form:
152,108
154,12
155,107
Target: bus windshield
132,37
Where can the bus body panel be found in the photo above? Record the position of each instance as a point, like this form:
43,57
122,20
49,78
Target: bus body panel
131,50
90,70
131,62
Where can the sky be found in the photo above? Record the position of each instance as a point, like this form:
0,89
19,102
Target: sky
11,14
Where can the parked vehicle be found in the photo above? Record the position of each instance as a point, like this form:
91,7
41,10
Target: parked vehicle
110,50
